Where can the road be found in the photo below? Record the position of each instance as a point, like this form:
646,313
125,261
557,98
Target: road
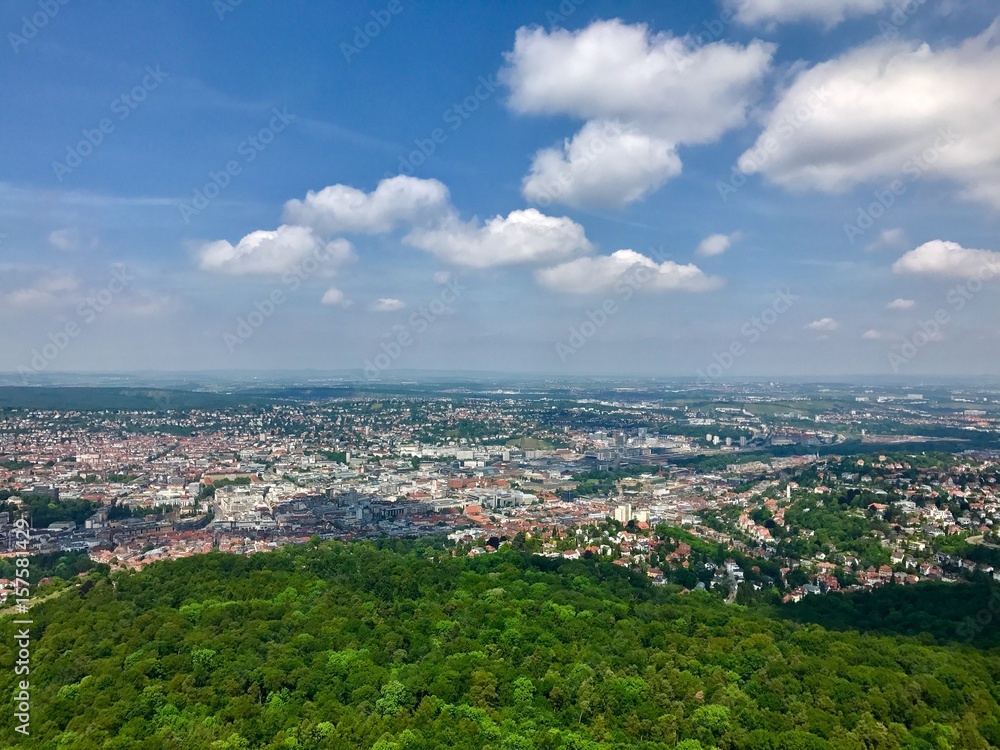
978,540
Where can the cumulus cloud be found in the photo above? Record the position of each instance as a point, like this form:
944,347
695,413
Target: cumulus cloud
664,90
387,304
827,12
948,259
901,304
606,272
823,325
45,292
872,335
273,252
611,70
334,296
716,244
888,110
605,164
421,208
72,239
526,236
395,201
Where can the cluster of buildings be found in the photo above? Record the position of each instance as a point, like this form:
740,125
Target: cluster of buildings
144,486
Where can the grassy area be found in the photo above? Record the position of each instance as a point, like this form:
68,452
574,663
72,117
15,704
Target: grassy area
529,444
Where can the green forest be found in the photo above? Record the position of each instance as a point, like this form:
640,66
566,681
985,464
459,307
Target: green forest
401,646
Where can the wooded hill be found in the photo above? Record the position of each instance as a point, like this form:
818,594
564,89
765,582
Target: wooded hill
401,646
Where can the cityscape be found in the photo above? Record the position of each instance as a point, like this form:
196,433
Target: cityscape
620,475
500,375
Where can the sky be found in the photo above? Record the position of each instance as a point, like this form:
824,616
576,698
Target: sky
718,189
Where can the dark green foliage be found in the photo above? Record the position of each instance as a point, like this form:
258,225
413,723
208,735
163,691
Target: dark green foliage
43,510
945,612
400,645
64,565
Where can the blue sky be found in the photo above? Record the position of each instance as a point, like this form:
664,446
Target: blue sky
595,188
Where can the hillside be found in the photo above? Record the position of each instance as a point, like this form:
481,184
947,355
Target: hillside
115,399
356,646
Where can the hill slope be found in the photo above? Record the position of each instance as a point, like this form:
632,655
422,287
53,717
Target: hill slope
352,646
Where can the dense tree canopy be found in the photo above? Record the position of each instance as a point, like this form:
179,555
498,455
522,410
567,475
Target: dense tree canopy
403,646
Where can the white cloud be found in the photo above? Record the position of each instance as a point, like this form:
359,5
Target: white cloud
334,296
664,90
901,304
72,239
888,238
46,291
944,259
872,335
985,189
421,207
889,110
716,244
827,12
395,201
611,70
604,164
27,297
442,277
387,304
606,272
823,325
273,252
145,303
526,236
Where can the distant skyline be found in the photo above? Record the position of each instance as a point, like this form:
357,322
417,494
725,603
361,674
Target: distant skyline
742,189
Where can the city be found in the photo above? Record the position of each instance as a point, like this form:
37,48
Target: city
659,485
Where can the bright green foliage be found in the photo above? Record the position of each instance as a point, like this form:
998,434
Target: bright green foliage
403,647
